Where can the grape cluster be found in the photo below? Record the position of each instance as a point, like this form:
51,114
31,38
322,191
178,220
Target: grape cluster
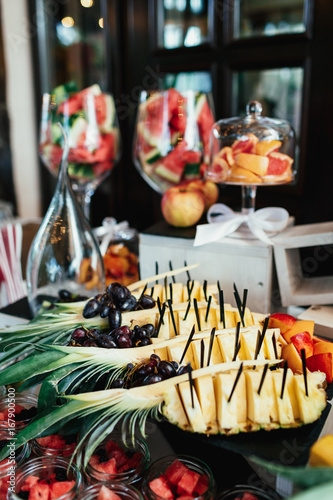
149,372
67,296
116,299
119,337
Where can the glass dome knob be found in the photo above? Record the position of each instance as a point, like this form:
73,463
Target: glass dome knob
254,109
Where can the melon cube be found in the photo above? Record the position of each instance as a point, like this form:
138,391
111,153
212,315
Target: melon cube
60,488
29,483
40,491
175,471
106,494
202,484
161,488
188,482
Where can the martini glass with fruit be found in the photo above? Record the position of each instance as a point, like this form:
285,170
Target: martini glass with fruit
250,152
91,125
171,143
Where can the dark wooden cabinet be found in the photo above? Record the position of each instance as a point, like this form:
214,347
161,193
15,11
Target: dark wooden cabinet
136,60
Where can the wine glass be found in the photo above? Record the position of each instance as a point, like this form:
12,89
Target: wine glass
250,152
90,121
171,141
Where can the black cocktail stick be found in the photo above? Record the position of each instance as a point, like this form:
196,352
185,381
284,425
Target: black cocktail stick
202,353
156,270
245,292
240,369
236,340
191,382
172,316
161,318
218,286
284,378
305,374
275,346
197,315
166,287
143,291
264,372
190,337
237,351
258,345
239,307
187,310
210,348
152,291
171,292
222,313
208,307
187,272
170,267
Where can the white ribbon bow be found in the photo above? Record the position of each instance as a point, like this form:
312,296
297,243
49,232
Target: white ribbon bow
107,231
224,221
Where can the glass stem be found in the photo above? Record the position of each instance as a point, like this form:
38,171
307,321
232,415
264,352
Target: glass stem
84,199
248,199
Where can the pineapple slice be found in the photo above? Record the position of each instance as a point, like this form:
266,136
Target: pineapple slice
195,291
231,415
227,346
284,405
173,409
216,356
248,320
175,352
258,406
268,346
194,413
229,319
205,391
248,346
211,320
311,406
177,293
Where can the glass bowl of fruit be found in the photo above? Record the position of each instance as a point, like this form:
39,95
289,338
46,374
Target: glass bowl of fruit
252,151
91,125
171,142
178,477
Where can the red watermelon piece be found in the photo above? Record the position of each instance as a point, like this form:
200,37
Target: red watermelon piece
202,484
60,488
205,121
172,166
100,108
185,497
106,494
29,483
71,105
108,467
161,488
188,482
249,496
175,471
40,491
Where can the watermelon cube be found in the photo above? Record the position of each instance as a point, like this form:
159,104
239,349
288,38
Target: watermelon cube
175,471
109,467
188,482
161,488
185,497
120,457
248,496
60,488
202,484
40,491
106,494
29,483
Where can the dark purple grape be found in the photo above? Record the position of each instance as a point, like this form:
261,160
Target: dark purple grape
150,328
166,369
152,379
138,383
104,312
129,304
93,333
79,333
144,370
175,364
125,330
123,341
65,295
119,293
89,343
147,302
142,334
105,341
117,384
143,342
129,366
91,309
155,357
114,318
183,369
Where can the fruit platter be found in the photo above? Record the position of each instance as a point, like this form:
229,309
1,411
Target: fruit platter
171,144
167,349
90,122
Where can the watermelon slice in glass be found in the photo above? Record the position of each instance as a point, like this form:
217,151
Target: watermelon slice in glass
171,142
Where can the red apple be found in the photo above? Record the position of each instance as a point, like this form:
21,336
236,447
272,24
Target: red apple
209,189
282,321
323,363
303,341
182,206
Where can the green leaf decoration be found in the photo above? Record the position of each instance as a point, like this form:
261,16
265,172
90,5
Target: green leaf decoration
301,476
322,492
